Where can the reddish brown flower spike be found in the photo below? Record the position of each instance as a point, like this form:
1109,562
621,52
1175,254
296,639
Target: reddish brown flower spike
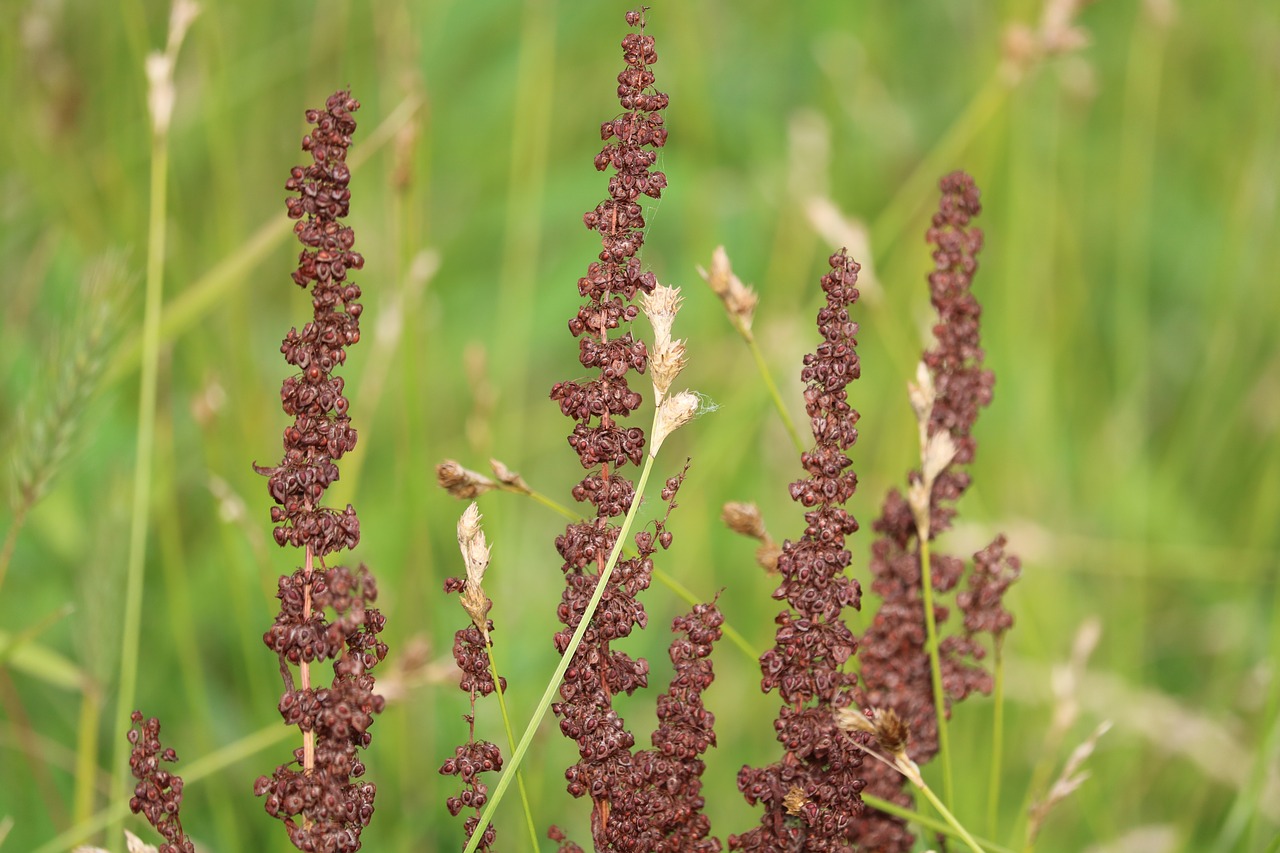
895,668
320,804
812,644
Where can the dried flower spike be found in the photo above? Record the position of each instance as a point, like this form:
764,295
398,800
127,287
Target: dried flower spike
951,387
315,796
739,300
462,482
745,518
475,555
667,359
807,665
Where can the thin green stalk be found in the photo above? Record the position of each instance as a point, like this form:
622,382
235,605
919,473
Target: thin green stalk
135,567
935,666
1241,820
730,633
773,390
903,764
511,744
556,677
530,134
997,740
950,818
86,753
932,824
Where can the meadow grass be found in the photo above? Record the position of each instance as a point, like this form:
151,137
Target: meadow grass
1130,452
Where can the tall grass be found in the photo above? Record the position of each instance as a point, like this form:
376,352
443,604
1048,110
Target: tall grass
1130,450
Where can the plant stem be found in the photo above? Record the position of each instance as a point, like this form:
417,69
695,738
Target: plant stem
935,665
304,668
773,388
556,677
731,633
511,744
997,739
136,564
950,818
932,824
86,753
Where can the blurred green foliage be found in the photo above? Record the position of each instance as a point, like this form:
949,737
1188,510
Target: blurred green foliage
1130,193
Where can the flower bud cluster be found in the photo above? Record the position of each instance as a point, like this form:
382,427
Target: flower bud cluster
811,796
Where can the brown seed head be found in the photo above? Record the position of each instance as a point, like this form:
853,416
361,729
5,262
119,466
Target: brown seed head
461,482
744,518
739,300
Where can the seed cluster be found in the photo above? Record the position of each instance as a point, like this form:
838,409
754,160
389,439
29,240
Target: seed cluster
315,796
598,672
158,794
646,800
811,796
652,803
321,432
895,666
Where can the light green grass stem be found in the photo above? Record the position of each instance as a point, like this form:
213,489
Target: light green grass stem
949,817
142,471
730,633
511,744
930,823
935,665
773,388
997,739
556,677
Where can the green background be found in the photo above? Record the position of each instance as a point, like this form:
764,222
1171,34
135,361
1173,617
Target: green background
1130,193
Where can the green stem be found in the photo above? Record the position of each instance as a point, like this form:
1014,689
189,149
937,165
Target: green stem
950,818
930,823
136,565
935,665
86,754
997,740
556,677
772,386
511,744
731,633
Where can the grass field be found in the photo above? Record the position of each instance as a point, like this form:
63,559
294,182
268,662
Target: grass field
1131,453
